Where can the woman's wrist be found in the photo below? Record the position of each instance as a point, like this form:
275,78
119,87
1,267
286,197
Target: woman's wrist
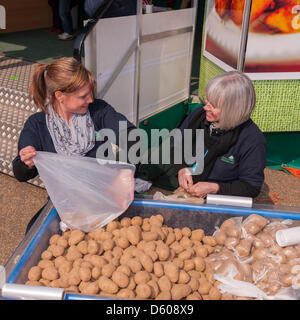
216,188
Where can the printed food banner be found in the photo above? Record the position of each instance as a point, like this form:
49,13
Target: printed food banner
273,47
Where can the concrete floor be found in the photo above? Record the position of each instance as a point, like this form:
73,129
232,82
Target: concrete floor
19,201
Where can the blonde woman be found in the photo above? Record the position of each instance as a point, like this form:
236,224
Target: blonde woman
70,116
234,147
69,120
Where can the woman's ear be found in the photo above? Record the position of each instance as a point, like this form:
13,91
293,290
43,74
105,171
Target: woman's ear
58,95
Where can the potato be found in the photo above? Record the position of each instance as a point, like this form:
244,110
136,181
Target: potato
46,255
186,254
58,261
252,228
266,238
186,231
134,234
35,273
97,261
156,229
149,246
170,238
85,274
163,251
132,284
108,269
164,283
57,250
210,240
122,242
180,291
154,288
142,277
184,277
201,251
126,294
50,273
44,282
107,285
134,265
194,284
189,264
106,235
220,237
108,244
65,267
62,241
137,221
146,227
146,261
204,286
233,232
111,226
73,253
164,295
231,242
96,273
34,283
125,222
177,247
186,242
197,234
199,264
83,246
93,247
178,262
171,271
76,236
143,291
287,279
290,252
244,247
120,278
214,293
53,239
156,221
259,253
150,236
194,296
158,269
178,234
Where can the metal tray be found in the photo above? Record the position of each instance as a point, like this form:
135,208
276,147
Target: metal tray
175,215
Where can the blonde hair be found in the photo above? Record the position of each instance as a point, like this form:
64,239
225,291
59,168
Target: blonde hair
233,92
65,74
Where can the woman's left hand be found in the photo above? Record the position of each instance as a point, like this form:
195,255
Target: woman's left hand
202,189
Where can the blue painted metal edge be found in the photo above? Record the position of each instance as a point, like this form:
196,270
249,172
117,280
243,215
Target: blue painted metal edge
32,245
218,209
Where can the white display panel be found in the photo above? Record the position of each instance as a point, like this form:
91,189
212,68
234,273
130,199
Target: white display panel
165,63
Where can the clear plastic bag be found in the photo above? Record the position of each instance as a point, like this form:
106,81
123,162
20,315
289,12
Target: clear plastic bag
87,193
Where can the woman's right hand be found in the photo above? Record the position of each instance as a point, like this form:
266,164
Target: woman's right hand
185,178
26,154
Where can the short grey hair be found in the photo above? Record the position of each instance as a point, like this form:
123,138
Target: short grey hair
233,92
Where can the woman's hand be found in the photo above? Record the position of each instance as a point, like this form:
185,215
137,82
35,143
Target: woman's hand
26,154
202,189
185,178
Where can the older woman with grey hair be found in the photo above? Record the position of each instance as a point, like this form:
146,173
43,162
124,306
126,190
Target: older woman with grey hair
234,147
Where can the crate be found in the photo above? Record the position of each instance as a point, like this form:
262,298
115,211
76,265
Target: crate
176,215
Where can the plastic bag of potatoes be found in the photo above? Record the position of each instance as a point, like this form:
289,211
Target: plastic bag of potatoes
251,249
137,258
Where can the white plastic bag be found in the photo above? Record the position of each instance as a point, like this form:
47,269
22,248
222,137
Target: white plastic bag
247,289
87,193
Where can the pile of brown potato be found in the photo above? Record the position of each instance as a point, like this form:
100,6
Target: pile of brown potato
145,259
